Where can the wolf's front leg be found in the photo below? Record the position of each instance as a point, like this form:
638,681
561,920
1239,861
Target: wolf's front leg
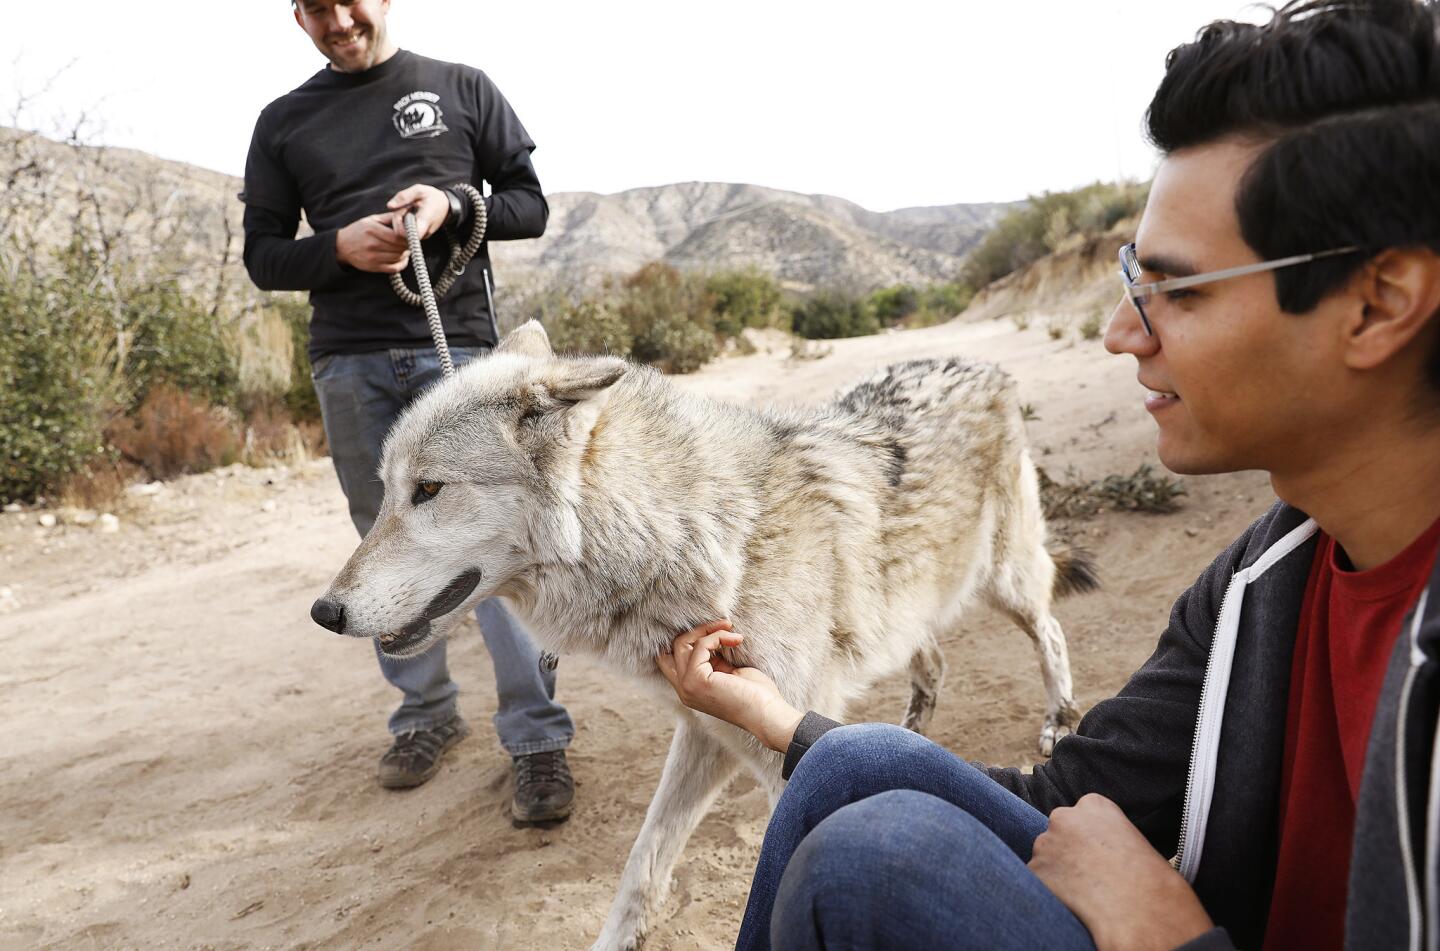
695,771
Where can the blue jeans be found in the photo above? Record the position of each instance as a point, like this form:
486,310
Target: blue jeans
361,395
884,840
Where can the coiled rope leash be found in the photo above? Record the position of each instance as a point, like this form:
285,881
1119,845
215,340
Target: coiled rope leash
460,256
428,296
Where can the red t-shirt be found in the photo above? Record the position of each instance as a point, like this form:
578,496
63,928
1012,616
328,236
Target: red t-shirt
1348,625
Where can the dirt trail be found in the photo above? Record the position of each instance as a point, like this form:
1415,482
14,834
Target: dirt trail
189,762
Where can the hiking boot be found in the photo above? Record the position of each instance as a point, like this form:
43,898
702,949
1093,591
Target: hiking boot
415,756
544,788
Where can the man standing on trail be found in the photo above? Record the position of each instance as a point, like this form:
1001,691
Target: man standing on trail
381,130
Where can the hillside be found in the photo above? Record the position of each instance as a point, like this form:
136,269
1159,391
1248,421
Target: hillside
803,240
173,217
1073,283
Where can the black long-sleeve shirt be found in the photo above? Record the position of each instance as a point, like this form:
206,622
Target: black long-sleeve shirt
338,147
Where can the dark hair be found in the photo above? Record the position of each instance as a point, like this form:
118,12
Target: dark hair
1348,94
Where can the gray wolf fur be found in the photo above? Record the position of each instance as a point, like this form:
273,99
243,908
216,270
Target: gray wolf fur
613,512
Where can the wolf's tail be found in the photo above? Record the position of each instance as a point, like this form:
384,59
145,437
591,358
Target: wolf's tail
1075,571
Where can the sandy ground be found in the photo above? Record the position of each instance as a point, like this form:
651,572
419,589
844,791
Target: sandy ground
189,762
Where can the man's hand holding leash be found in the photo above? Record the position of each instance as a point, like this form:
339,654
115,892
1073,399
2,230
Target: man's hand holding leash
370,244
705,681
430,205
377,243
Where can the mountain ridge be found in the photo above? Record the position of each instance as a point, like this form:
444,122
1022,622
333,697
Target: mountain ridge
803,240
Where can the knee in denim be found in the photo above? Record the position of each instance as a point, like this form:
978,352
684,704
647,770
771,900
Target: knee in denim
865,744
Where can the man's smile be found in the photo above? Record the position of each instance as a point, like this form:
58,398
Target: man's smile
344,42
1157,398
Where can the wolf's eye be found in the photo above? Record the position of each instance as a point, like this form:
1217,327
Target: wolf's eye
425,491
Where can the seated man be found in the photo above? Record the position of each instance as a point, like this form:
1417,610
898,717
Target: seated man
1280,300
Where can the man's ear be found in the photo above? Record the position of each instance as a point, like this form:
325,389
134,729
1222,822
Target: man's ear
1400,292
528,339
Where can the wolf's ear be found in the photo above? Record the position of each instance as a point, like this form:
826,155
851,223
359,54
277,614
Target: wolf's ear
528,339
575,381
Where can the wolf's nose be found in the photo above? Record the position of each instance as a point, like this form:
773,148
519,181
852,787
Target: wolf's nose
329,615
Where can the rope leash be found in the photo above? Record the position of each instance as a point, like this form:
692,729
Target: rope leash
429,295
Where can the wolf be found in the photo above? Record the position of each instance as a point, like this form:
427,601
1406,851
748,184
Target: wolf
612,512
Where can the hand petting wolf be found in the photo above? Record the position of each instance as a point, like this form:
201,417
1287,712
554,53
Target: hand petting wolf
705,681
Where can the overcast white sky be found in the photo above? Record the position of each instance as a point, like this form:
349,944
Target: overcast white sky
889,104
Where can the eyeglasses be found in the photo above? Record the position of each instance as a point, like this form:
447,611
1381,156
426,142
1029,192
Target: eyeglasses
1139,294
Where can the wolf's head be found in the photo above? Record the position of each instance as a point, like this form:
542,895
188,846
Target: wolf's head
481,478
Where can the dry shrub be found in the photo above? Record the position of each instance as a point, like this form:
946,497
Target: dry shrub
173,432
1068,499
1143,490
100,485
312,437
271,437
803,349
266,352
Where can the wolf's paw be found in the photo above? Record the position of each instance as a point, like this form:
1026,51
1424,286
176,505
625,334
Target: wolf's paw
1051,735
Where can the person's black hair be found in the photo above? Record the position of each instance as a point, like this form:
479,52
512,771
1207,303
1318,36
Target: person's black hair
1347,93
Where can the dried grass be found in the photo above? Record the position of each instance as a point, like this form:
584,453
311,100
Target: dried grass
1143,490
100,486
174,432
265,353
271,437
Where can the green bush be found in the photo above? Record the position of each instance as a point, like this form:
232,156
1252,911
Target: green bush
749,298
85,341
675,345
591,326
893,304
1014,242
671,318
944,301
175,340
832,314
1046,221
301,400
59,383
919,307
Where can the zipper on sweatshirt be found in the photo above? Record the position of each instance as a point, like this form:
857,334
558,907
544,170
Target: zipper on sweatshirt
1205,749
1179,858
1207,725
1200,722
1402,809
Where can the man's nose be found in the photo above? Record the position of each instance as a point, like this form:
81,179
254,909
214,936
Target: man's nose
340,19
1126,334
329,615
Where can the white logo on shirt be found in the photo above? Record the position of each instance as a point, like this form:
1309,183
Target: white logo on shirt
418,116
